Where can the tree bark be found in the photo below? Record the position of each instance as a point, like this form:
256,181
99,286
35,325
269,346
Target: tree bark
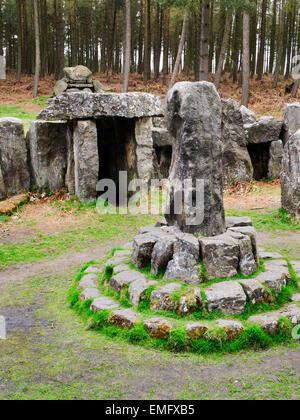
126,69
204,56
37,49
147,41
223,49
180,50
246,58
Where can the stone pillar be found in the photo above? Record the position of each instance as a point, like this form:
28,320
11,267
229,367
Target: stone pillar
275,162
70,175
291,119
2,68
48,150
2,187
13,156
290,176
86,159
193,115
144,148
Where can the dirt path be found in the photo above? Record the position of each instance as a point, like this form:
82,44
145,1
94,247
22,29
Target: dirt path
49,354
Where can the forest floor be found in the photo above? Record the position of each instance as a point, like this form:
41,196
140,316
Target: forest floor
16,97
49,353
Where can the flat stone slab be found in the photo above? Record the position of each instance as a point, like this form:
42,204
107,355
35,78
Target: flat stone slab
190,301
266,255
238,221
268,322
160,297
73,106
142,249
158,327
274,279
10,204
227,297
122,253
195,330
92,269
292,312
296,267
124,318
116,261
137,288
118,281
253,289
232,328
88,281
296,297
274,264
103,303
121,267
89,293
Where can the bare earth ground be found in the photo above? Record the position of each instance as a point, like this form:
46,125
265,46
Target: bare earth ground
49,354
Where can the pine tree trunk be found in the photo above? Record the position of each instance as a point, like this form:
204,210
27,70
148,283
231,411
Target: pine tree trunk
246,58
1,29
147,42
141,39
261,55
280,47
19,59
204,55
223,50
126,70
180,50
166,18
37,49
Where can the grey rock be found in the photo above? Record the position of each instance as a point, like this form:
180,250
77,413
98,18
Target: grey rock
193,115
161,222
159,122
86,160
291,119
268,322
275,161
122,253
220,255
48,151
296,267
116,261
247,263
60,87
267,255
137,289
187,243
251,232
237,165
78,73
142,250
238,221
253,289
119,281
89,293
2,186
103,303
296,297
247,115
121,267
70,174
2,68
93,269
160,297
88,281
275,280
98,87
161,137
182,267
144,148
196,330
291,312
290,176
279,266
13,157
190,301
158,327
227,297
162,254
124,318
72,106
232,328
265,130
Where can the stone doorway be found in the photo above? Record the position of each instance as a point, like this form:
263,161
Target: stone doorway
260,158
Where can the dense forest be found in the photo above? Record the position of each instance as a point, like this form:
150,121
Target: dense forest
245,38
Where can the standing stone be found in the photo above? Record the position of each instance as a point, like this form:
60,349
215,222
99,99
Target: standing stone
2,68
237,165
275,162
265,130
247,115
48,150
291,119
193,115
13,156
2,186
70,174
86,160
290,176
144,148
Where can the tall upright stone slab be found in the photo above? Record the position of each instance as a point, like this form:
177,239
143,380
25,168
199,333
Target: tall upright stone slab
144,147
2,68
193,115
86,159
290,176
48,151
291,119
13,156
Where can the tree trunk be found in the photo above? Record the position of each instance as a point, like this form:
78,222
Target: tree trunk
261,55
223,49
147,42
166,19
280,47
126,69
204,56
37,49
295,88
1,29
19,59
246,58
180,50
